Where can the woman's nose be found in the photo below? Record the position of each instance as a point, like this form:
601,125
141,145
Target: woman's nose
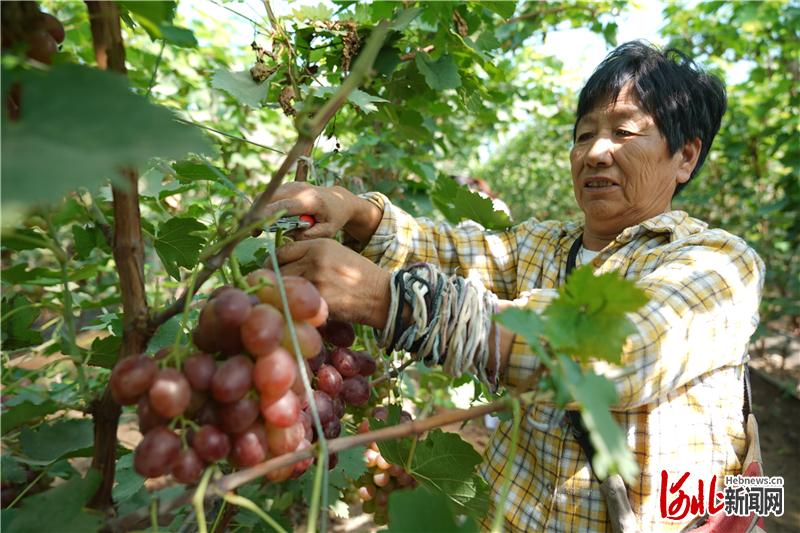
600,152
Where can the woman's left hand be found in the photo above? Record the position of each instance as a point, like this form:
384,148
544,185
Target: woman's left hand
355,289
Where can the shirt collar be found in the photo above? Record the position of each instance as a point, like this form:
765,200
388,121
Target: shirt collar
678,224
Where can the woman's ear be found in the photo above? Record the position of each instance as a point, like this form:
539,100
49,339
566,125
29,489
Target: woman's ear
689,155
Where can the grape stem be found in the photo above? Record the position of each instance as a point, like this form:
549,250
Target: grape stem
415,427
248,504
393,373
199,498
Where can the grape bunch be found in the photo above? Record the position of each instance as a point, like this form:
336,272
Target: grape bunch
381,477
25,26
241,397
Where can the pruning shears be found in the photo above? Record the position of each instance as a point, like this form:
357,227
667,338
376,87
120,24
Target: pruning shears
292,223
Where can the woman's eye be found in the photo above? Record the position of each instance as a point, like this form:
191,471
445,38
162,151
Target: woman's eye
584,136
624,133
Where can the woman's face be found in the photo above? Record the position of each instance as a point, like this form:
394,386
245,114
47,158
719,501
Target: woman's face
622,172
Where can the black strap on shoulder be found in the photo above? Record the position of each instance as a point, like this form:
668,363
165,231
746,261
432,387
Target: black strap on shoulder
576,424
748,400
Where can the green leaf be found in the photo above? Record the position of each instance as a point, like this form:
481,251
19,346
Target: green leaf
23,413
240,85
588,318
411,511
404,18
80,126
156,19
87,238
504,8
178,245
358,98
18,326
128,482
59,509
49,442
350,466
458,203
105,351
165,334
11,471
23,239
318,12
182,37
595,395
251,250
440,74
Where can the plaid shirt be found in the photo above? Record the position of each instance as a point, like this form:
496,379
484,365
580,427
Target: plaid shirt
681,407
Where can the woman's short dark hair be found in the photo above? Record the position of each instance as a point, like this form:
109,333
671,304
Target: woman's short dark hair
685,101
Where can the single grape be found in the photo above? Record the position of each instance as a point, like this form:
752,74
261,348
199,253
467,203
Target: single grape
132,377
363,426
250,447
41,46
268,283
382,463
284,440
355,390
154,456
199,368
303,296
345,362
238,416
338,333
366,364
263,330
381,498
282,412
298,387
232,379
148,418
324,406
207,414
381,479
395,471
219,290
308,338
338,407
332,429
318,360
53,26
188,467
329,380
333,460
170,393
321,316
211,444
197,400
405,479
308,424
371,457
380,413
280,475
366,493
204,340
302,465
232,308
275,374
405,416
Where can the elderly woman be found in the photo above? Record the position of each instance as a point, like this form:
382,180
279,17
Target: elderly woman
645,122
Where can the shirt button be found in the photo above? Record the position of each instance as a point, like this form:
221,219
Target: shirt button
549,487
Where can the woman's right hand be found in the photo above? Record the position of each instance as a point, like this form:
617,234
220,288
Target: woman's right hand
331,207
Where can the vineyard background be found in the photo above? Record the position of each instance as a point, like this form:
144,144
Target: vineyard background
458,89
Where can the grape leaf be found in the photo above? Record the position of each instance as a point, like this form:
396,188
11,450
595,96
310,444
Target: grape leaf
87,238
128,482
318,12
358,98
11,471
18,330
49,442
165,334
588,319
23,239
595,395
105,351
458,203
251,250
20,414
504,9
59,509
404,18
178,245
416,510
440,74
241,86
78,127
156,19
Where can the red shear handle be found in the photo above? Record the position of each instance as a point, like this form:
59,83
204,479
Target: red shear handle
308,218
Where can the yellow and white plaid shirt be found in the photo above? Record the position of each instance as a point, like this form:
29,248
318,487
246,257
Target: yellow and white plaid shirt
681,407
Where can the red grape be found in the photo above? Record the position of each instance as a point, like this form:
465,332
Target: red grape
303,296
355,390
282,412
338,333
170,393
318,360
321,316
238,416
204,339
211,444
207,414
333,460
268,293
199,369
251,446
381,479
329,380
345,362
274,374
232,379
324,407
188,467
380,413
308,338
366,364
281,474
148,418
366,493
156,453
263,330
302,465
332,428
131,378
338,407
284,440
381,498
308,424
53,26
232,308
